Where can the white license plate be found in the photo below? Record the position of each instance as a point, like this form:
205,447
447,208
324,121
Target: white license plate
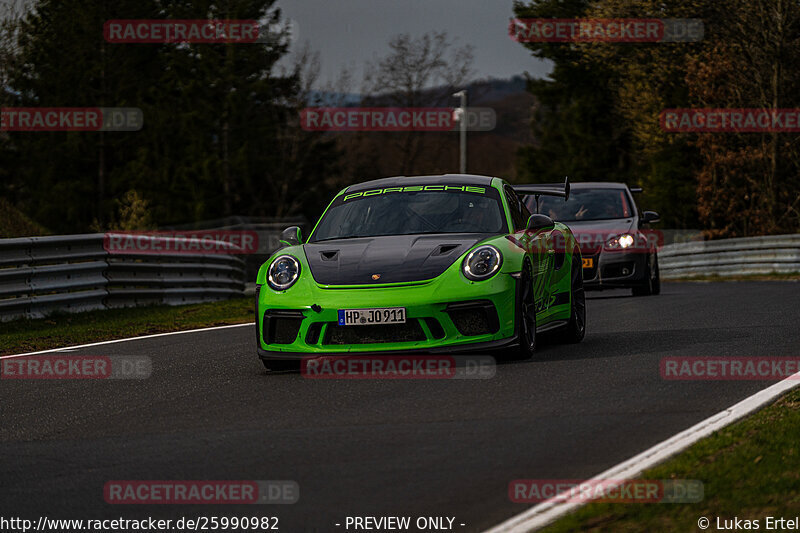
365,317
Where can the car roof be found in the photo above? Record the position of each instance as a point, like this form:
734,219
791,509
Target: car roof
442,179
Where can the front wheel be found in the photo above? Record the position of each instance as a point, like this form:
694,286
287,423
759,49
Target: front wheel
656,277
652,280
526,317
575,329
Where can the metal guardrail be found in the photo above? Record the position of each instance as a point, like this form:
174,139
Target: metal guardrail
267,229
41,275
778,254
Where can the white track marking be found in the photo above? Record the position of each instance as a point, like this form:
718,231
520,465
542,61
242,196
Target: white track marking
72,348
548,511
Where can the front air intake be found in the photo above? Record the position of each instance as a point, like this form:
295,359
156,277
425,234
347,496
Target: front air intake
474,318
281,326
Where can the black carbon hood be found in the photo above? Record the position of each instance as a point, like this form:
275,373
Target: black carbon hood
394,258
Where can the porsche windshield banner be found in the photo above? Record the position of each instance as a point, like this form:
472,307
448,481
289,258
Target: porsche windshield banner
415,188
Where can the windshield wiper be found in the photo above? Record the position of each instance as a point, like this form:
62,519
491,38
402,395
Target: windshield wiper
405,235
342,238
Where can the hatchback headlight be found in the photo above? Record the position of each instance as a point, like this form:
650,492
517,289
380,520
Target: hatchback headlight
482,263
623,241
283,272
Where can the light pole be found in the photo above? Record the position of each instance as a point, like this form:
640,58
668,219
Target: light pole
463,134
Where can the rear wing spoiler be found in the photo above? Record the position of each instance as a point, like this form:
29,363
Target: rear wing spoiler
538,190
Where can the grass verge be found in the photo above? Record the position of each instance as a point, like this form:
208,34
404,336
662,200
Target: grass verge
20,336
750,470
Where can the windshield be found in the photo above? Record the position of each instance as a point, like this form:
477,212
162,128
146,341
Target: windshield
585,204
395,211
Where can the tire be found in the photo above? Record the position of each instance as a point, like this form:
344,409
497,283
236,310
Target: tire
657,278
646,288
575,329
526,318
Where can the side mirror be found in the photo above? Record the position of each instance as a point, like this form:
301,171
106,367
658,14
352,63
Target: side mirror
650,216
540,222
291,236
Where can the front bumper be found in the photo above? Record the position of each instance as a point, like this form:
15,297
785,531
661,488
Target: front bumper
440,318
615,269
482,347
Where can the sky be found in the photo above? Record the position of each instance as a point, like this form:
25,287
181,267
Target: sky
347,33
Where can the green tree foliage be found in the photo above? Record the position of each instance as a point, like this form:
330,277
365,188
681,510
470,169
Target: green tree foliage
216,117
67,180
133,214
749,183
647,78
731,184
576,128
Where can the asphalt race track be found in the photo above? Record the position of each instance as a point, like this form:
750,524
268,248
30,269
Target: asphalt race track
383,447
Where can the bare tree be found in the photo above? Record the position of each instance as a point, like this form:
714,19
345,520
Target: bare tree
417,72
11,13
306,171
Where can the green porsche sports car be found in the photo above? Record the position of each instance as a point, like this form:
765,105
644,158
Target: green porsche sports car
426,264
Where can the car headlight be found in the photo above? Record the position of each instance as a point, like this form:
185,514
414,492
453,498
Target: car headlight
482,263
283,272
625,240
